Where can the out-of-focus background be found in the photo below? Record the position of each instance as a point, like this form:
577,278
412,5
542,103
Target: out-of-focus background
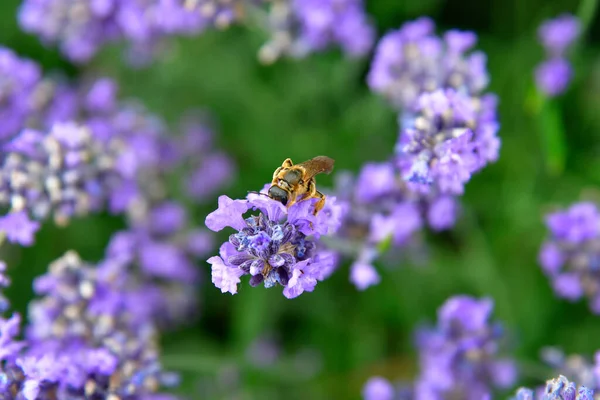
325,344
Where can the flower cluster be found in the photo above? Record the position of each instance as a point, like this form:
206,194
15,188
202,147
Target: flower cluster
81,27
158,255
65,172
447,125
276,246
19,80
91,151
300,27
576,367
381,210
459,358
86,339
571,253
448,132
556,35
556,389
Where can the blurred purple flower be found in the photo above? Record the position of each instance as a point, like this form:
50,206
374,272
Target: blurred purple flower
84,339
81,29
378,388
363,275
571,254
301,27
19,228
553,75
558,34
460,356
19,79
412,60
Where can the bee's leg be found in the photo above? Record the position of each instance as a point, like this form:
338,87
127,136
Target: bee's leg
292,200
321,203
287,163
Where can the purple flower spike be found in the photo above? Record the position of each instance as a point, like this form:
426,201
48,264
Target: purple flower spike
300,27
85,339
412,60
81,29
459,357
552,76
445,142
571,254
64,173
277,246
19,80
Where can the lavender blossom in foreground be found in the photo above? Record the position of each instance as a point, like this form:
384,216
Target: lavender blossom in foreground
276,245
556,389
300,27
556,35
459,358
570,255
82,28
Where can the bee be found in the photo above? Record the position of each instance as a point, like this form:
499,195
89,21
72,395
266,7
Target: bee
292,183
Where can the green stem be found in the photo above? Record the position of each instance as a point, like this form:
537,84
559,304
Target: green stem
585,13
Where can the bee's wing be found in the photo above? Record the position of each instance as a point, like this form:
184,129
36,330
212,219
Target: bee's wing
317,165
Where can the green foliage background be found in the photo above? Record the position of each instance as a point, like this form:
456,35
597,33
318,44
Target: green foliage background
321,105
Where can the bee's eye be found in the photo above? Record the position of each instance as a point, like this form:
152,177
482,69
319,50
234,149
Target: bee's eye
292,177
278,194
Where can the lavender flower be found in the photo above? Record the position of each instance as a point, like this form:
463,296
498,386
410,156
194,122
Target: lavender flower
219,13
86,338
378,388
451,137
459,357
276,246
557,389
19,79
65,173
300,27
412,60
556,35
575,367
553,76
82,28
448,132
447,125
380,210
570,255
159,260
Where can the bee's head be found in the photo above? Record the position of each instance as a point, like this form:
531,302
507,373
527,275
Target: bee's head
277,193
